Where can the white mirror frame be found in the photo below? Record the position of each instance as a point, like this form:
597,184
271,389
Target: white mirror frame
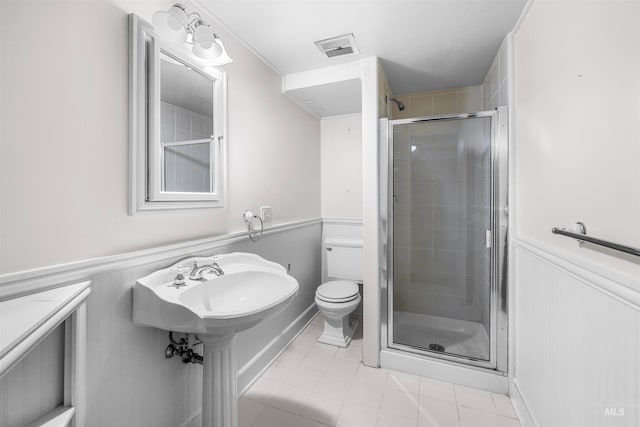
145,152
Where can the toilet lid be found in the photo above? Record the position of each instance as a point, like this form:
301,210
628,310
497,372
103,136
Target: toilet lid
337,291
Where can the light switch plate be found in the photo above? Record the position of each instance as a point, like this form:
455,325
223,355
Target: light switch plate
267,215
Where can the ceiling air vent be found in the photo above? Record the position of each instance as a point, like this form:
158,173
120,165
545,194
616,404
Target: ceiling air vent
338,46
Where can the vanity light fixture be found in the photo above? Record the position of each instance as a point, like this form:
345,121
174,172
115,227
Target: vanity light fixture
181,26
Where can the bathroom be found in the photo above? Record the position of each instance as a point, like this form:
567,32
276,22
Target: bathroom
564,343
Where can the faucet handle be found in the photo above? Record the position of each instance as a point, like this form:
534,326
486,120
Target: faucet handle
180,270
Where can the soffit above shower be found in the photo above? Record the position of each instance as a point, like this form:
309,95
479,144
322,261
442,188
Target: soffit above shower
327,92
331,99
422,45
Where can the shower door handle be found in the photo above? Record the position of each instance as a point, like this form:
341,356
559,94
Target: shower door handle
488,239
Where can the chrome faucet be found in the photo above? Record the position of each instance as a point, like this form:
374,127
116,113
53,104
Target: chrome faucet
198,270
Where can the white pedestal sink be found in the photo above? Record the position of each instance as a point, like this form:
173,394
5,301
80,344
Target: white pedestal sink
219,382
251,290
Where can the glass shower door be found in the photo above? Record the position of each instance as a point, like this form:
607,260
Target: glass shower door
442,216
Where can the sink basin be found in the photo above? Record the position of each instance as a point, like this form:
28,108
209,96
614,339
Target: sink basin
239,294
251,290
216,308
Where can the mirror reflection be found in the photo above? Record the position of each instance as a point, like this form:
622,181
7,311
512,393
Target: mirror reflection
186,119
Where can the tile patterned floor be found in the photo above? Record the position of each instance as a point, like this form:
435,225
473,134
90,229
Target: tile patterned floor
317,385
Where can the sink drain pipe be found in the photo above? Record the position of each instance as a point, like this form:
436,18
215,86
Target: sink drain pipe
183,350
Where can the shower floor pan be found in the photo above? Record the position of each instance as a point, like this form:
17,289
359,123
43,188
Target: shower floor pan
458,337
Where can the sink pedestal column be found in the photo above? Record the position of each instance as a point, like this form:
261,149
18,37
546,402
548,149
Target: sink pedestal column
219,382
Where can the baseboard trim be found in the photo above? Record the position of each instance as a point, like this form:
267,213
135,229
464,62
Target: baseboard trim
255,367
520,406
193,420
247,375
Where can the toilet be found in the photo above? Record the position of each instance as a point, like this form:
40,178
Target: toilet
339,297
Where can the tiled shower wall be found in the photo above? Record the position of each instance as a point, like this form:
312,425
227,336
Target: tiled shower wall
450,101
186,166
441,188
427,276
495,87
129,381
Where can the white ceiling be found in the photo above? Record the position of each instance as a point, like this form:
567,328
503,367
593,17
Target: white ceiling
423,45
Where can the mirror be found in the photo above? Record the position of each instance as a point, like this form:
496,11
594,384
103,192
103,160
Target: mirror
186,127
177,126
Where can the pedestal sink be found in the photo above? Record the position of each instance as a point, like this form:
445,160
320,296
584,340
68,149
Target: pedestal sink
215,308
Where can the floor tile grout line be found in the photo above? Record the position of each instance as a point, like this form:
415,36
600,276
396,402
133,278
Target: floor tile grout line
458,414
385,387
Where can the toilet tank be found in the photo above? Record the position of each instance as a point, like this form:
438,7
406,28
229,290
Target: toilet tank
344,258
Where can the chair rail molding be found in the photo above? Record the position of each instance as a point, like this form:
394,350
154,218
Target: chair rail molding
26,282
622,287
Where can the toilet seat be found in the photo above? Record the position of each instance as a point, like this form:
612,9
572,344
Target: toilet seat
337,291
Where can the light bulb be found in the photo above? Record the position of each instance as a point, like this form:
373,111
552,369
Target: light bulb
207,50
205,45
171,24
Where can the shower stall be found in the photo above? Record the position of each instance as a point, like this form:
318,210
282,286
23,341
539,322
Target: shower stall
444,239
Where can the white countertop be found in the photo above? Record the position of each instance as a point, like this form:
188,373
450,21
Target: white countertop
25,320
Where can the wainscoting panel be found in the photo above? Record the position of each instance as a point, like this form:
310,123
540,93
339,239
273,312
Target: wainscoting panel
577,343
130,383
35,385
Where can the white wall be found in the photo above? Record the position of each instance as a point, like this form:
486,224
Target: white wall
578,90
577,159
341,166
374,85
341,170
63,153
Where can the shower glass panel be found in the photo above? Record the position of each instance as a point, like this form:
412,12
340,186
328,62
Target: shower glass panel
441,183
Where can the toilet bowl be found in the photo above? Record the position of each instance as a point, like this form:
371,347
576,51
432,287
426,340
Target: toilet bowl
340,295
336,300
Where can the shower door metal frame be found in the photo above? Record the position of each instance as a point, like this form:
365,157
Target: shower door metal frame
498,333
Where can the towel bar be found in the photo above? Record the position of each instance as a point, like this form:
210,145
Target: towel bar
582,236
